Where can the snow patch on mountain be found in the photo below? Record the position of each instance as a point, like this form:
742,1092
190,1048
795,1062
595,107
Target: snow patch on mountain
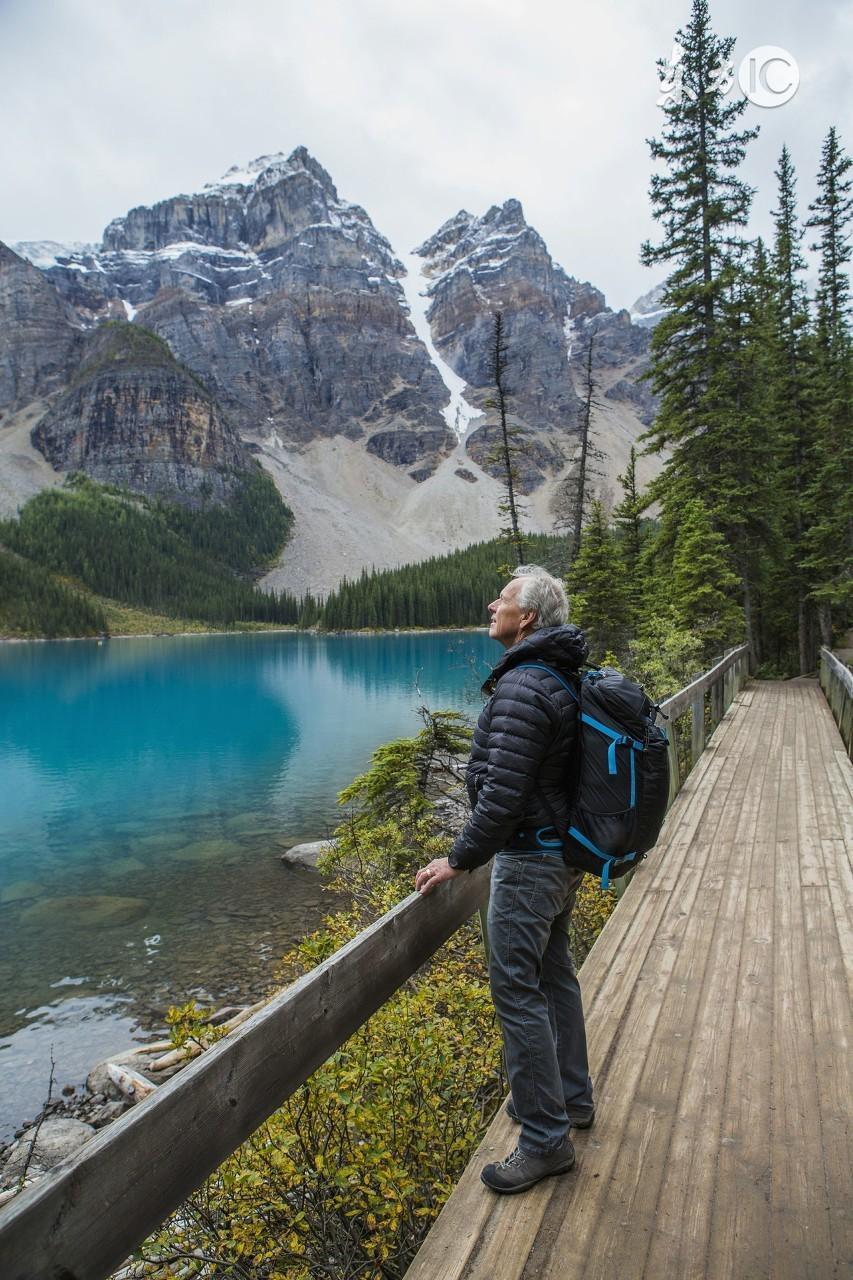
458,414
45,254
647,311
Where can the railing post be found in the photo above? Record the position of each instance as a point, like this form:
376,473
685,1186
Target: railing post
717,699
674,773
697,727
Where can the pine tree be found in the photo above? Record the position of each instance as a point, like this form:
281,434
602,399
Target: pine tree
698,200
828,550
703,587
701,351
744,500
628,516
598,587
788,393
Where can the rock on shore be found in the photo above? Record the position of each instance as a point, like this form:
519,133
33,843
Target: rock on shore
306,855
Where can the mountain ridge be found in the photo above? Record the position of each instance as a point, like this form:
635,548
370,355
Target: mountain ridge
319,349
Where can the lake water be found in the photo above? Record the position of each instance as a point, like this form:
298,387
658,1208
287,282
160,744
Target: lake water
147,789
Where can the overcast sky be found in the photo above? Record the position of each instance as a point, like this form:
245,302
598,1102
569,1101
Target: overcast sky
416,107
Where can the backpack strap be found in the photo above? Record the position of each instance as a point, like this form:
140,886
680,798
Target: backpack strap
575,775
540,666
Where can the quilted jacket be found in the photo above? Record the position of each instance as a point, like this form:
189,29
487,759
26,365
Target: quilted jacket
523,747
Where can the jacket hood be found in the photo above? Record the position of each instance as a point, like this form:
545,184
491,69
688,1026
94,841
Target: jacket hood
563,647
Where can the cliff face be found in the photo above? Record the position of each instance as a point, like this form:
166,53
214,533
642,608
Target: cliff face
134,418
497,262
39,341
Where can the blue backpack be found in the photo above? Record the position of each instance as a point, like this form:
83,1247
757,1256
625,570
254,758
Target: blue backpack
621,785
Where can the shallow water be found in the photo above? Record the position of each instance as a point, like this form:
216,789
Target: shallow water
147,789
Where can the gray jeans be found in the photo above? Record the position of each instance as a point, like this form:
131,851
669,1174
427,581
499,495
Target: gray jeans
536,993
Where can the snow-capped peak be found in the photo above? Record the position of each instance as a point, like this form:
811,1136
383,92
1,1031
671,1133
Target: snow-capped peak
265,171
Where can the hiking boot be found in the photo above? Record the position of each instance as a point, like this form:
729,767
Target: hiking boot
577,1119
519,1171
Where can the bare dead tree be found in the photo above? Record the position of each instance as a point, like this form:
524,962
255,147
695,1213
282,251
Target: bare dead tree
590,451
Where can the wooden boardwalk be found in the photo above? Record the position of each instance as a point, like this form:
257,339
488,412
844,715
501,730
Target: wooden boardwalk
718,1003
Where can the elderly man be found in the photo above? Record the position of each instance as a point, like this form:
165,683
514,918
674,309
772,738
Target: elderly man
518,780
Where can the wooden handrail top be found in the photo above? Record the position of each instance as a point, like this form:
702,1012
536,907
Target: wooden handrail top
838,668
680,702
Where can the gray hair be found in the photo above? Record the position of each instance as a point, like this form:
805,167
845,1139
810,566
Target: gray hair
544,593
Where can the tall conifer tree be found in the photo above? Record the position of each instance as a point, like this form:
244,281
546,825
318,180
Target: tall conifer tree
598,587
828,552
789,394
628,515
701,203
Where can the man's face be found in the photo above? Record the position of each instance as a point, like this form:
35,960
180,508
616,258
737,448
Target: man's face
507,622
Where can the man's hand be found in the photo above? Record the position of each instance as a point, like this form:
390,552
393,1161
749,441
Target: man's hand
439,869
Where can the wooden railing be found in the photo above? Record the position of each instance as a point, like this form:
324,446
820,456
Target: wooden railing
836,680
83,1219
717,687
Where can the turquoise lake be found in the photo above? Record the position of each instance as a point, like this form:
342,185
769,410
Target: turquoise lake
147,789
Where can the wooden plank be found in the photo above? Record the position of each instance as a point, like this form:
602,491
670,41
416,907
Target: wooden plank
674,767
511,1230
800,1229
90,1212
619,1159
811,809
727,1161
680,1097
832,1024
717,705
739,1236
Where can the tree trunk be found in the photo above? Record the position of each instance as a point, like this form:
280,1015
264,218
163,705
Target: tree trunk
803,633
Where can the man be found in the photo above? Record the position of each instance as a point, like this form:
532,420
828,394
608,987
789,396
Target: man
518,780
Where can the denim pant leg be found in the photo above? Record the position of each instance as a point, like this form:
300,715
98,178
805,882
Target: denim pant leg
565,1007
531,896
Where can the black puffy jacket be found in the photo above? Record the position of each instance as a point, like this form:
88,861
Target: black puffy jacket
523,747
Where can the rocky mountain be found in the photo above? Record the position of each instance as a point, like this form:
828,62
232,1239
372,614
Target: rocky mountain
282,297
132,416
358,376
40,337
476,266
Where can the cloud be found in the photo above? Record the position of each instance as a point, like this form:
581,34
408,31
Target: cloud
416,110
